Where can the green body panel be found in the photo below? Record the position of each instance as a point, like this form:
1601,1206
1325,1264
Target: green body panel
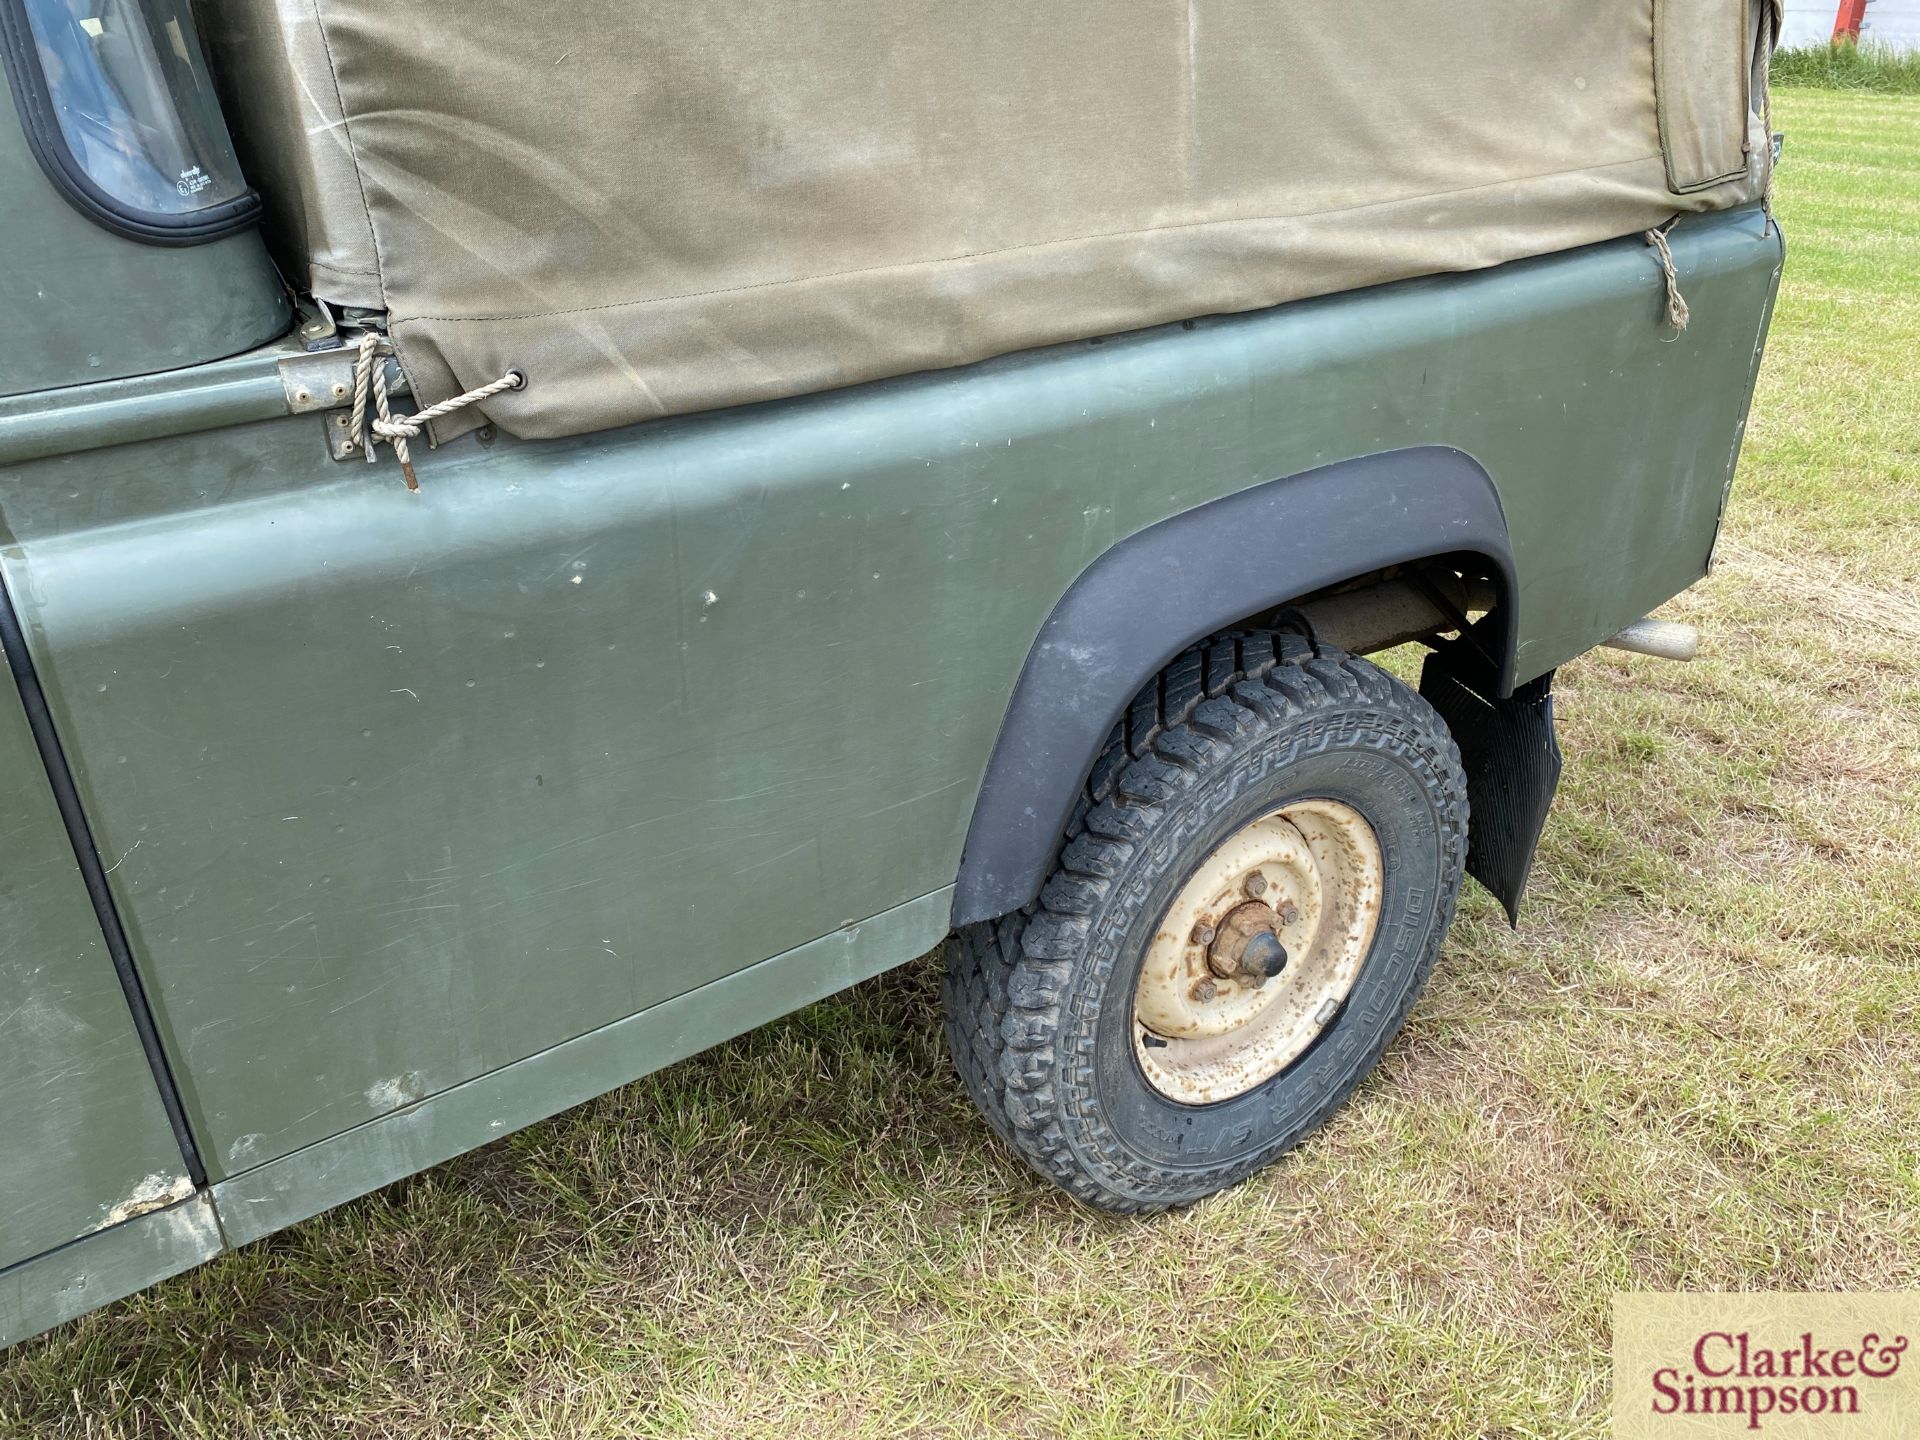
400,789
74,1279
283,1191
84,1132
83,304
104,1266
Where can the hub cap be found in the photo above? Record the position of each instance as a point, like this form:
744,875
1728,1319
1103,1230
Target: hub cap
1259,951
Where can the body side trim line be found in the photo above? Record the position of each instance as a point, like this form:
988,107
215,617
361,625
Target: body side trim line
235,391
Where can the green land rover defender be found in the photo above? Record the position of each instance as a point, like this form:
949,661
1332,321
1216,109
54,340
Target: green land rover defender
535,539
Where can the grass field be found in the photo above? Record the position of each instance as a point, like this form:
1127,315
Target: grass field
1849,67
1698,1066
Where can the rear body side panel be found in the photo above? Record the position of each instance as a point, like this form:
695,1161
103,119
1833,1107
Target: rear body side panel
399,790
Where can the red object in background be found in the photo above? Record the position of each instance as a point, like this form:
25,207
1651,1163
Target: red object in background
1846,23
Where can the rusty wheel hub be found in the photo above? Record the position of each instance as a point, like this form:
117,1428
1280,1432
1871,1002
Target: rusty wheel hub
1258,952
1247,945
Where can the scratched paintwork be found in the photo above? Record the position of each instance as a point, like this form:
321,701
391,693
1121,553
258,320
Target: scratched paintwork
399,789
82,1133
105,1265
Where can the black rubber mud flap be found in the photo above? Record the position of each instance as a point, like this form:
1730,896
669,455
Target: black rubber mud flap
1513,767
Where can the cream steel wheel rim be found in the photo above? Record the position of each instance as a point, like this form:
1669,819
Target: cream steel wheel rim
1258,952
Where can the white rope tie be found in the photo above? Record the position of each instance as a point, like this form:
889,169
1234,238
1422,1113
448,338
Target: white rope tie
1677,314
1766,120
370,382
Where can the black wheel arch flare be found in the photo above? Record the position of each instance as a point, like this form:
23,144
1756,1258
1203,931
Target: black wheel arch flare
1161,589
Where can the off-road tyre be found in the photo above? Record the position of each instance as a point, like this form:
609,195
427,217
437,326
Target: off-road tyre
1039,1004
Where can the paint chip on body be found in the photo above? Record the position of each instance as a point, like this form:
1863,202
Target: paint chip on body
156,1192
401,1090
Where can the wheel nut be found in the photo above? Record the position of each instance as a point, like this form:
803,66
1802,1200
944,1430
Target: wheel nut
1203,934
1288,912
1204,991
1256,885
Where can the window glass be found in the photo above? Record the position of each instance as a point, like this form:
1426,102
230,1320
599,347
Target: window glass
135,104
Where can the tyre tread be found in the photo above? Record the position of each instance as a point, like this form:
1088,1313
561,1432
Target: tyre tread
1008,979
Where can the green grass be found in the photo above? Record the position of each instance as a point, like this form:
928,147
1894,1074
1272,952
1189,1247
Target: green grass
1846,66
1698,1066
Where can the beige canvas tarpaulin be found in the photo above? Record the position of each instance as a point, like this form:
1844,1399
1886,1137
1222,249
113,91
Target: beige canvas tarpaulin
652,209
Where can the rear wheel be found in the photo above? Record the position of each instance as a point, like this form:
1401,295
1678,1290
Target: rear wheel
1246,906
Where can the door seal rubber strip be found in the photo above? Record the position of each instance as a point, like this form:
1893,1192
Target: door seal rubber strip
66,796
